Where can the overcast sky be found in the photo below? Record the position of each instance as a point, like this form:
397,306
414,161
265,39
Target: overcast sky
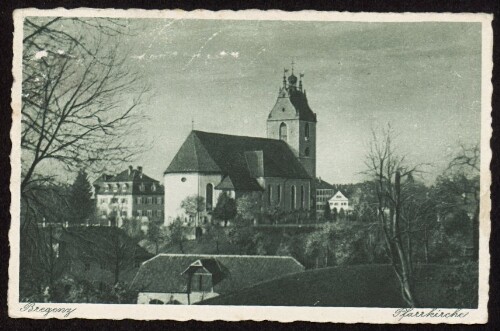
423,78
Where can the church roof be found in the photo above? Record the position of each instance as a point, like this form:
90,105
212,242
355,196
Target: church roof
299,101
239,158
292,104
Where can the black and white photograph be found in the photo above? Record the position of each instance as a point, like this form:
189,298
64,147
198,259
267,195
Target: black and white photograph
251,165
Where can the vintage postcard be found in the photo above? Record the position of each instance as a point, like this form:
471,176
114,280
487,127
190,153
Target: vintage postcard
251,165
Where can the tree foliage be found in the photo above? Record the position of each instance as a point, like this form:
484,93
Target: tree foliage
225,209
249,206
80,199
176,234
193,205
327,214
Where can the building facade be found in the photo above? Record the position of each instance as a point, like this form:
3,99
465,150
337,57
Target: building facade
129,194
324,191
278,170
340,202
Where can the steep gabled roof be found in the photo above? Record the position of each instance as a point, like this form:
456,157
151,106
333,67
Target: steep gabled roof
237,157
322,185
292,104
299,101
130,175
164,272
192,157
339,195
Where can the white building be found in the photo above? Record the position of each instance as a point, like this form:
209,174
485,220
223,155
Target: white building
339,202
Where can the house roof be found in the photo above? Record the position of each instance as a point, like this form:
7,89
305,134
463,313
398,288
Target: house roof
238,157
322,185
131,175
164,273
339,196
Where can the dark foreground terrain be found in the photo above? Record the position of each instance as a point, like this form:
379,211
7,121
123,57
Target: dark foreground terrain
436,286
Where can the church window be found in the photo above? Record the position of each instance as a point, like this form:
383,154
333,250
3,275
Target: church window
283,109
302,197
278,189
283,132
142,187
124,187
292,197
209,197
183,179
269,194
153,187
306,131
307,152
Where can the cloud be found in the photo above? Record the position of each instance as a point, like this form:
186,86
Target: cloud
139,57
235,54
223,53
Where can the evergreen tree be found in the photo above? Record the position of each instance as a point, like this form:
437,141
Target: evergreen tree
225,209
80,199
327,212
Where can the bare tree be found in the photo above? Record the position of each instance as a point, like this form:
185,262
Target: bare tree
79,97
79,103
389,172
459,188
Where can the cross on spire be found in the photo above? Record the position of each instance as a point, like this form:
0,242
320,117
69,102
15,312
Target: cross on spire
292,65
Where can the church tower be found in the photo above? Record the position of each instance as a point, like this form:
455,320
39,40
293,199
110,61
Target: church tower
293,121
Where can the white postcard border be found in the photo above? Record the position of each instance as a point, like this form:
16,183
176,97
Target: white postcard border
256,313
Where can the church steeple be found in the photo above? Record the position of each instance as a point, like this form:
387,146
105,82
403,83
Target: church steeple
293,121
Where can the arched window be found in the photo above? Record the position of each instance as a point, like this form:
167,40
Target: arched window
292,198
209,197
269,195
307,151
306,131
283,132
302,195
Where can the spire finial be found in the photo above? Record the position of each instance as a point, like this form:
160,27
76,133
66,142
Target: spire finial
285,70
292,65
192,124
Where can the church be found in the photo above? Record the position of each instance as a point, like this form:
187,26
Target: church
278,170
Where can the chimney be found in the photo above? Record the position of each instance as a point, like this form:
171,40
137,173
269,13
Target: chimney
130,168
139,168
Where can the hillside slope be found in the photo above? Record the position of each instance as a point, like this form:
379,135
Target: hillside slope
358,286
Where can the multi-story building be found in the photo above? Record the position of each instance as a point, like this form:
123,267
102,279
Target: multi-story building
129,194
324,191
